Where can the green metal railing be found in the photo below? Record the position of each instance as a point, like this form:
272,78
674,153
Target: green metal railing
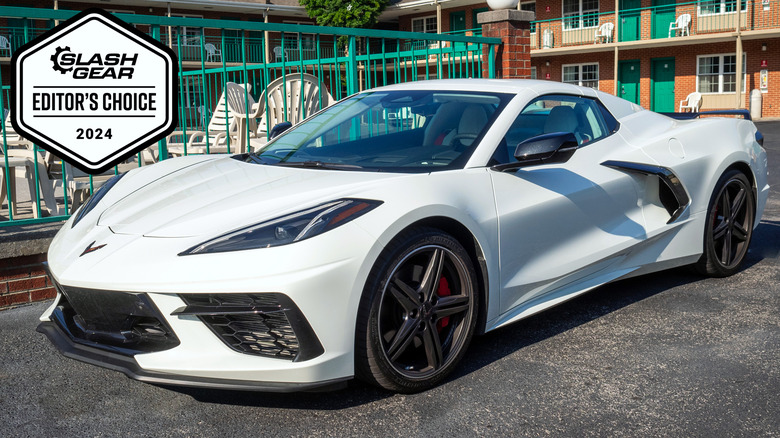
212,53
705,17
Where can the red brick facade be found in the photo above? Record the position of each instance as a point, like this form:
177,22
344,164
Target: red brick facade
23,280
685,69
514,66
513,57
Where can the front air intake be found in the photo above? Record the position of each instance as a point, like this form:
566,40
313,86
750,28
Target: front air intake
122,322
266,324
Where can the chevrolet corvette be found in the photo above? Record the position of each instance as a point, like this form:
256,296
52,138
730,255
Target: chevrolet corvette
378,236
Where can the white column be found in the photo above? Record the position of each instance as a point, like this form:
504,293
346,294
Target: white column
265,37
438,17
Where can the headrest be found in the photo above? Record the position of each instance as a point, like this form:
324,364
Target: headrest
561,119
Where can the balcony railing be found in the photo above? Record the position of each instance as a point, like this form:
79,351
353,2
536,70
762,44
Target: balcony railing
678,20
212,53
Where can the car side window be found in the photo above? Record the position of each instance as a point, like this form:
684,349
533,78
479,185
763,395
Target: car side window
581,116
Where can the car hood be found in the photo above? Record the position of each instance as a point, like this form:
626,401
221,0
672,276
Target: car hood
215,196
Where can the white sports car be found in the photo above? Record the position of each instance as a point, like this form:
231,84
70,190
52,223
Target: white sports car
378,236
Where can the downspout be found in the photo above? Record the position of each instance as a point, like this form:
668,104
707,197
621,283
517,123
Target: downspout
615,40
738,60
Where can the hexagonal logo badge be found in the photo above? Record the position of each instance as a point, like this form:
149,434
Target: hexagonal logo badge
94,90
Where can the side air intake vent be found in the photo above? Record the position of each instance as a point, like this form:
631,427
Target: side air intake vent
671,192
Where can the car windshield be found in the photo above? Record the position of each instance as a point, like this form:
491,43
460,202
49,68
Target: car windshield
400,131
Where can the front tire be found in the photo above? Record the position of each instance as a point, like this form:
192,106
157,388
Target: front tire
418,312
729,226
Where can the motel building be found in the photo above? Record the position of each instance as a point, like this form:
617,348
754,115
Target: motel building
652,52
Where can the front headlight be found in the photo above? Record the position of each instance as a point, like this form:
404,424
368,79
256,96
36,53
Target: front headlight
96,197
288,229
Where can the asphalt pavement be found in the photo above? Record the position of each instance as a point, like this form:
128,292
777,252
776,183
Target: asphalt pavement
666,354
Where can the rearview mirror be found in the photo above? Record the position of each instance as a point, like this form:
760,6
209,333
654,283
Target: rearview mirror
556,147
278,129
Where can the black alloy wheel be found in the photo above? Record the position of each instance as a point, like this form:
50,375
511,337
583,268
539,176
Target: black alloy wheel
422,314
729,227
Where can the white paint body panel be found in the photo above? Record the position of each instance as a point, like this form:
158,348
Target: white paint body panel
547,233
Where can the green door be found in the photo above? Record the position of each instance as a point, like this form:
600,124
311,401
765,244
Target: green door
629,20
663,15
628,80
20,31
662,85
458,26
233,46
474,24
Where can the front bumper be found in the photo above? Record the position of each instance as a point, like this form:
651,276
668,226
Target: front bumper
323,277
130,367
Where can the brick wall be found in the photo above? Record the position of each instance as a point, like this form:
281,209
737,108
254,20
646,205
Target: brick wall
605,61
685,68
23,280
513,57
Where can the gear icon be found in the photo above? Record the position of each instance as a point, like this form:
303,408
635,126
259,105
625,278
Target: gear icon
56,57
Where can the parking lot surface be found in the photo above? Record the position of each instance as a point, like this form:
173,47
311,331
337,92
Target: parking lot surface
666,354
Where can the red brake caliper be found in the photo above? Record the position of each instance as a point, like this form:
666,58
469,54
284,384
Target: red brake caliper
443,291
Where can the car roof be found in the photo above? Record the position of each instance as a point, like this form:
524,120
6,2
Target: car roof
513,86
618,107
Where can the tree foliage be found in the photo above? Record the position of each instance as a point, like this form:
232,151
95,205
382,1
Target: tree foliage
345,13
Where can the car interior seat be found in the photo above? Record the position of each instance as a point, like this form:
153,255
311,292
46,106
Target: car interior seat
562,119
472,122
443,124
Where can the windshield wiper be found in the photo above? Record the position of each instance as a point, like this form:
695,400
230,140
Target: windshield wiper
318,165
255,158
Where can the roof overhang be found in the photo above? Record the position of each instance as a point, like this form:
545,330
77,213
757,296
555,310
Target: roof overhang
207,5
395,10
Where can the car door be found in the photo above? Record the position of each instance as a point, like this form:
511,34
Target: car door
563,228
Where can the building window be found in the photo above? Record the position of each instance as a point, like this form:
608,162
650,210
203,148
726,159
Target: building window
424,24
585,75
718,73
533,72
580,13
528,6
710,7
187,36
294,40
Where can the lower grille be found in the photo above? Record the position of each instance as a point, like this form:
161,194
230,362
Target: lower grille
268,324
121,322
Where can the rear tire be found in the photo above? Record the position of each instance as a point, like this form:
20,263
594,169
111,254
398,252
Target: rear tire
418,312
729,226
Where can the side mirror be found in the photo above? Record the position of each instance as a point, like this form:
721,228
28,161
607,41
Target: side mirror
556,147
278,129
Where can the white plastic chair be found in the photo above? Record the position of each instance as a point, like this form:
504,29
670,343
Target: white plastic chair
5,47
213,139
245,110
212,54
692,102
682,24
604,32
547,39
21,155
299,93
278,56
